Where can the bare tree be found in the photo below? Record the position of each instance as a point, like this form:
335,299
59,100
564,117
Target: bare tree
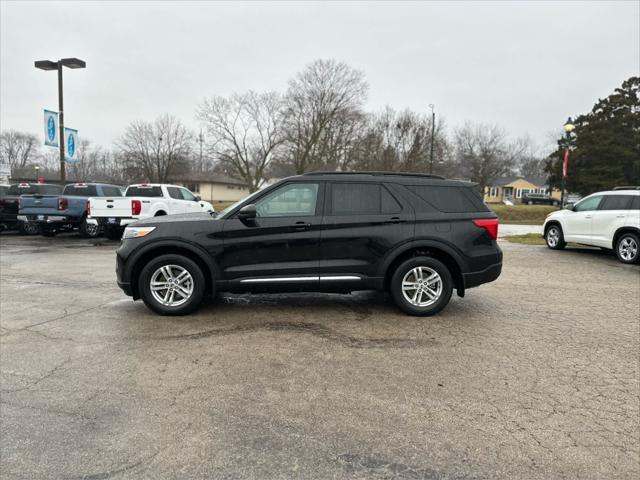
245,132
395,141
323,103
483,153
18,149
156,148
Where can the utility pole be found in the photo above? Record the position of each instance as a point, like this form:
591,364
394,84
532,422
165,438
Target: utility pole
568,128
433,132
200,141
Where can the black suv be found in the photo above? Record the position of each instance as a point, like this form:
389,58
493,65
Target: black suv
539,199
415,236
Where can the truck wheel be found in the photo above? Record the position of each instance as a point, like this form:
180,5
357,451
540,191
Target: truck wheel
628,248
89,230
172,285
28,228
530,202
422,286
113,233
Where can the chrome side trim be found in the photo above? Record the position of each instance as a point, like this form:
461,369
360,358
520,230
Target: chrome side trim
330,278
279,279
339,278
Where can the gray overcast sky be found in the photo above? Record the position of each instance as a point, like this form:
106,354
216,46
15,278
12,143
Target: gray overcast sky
524,66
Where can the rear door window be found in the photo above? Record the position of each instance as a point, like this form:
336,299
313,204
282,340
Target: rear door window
355,199
142,191
615,202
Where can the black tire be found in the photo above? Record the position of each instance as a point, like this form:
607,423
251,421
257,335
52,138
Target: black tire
198,283
113,233
530,202
88,230
554,237
628,248
28,228
160,214
432,265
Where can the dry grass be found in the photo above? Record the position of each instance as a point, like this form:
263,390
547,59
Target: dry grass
528,239
523,214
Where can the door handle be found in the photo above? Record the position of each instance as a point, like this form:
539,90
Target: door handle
395,220
620,216
588,216
301,226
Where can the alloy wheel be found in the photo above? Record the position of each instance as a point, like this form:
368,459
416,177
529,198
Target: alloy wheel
628,249
422,286
553,237
171,285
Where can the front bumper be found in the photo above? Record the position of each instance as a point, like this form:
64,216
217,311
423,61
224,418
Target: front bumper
489,274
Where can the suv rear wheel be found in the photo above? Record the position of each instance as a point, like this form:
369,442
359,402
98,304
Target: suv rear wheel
628,248
554,238
172,285
422,286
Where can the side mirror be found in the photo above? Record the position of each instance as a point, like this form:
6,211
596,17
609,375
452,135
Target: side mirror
247,212
198,198
568,206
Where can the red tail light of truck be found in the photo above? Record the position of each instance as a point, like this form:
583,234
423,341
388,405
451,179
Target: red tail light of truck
136,207
63,203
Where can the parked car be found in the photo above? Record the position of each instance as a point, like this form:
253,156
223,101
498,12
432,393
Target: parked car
143,201
609,220
539,199
10,204
58,213
417,236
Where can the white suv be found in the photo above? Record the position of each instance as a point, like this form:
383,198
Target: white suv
608,220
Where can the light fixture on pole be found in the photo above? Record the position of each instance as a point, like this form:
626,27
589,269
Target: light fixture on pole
568,128
49,65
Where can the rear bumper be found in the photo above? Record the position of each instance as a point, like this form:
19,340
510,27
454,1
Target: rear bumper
48,219
489,274
111,221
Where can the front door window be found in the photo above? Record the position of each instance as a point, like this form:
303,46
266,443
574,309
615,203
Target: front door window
291,200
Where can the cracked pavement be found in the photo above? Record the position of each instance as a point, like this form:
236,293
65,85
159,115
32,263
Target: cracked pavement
533,376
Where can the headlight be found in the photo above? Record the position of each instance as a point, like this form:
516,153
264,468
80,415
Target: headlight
137,232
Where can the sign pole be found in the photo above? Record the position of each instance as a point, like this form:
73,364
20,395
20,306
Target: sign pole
63,178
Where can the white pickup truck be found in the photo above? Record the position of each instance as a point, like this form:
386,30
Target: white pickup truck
142,201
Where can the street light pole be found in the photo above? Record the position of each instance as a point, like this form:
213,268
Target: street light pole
568,128
63,175
433,131
50,65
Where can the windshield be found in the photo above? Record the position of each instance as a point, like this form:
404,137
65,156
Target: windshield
234,205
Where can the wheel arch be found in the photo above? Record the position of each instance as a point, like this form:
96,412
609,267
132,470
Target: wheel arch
140,258
433,249
621,231
550,223
159,213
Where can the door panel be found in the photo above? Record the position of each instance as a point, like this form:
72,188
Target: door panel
281,243
364,223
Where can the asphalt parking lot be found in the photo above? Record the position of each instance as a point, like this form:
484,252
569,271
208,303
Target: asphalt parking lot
533,376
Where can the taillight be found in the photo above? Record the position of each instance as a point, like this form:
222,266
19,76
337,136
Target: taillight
63,203
136,207
490,225
88,208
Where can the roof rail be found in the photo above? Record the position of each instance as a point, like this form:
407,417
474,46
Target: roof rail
396,174
626,188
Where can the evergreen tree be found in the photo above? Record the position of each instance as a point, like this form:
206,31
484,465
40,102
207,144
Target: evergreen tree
606,144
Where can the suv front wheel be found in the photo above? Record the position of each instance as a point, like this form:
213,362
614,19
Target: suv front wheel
628,248
172,285
422,286
554,237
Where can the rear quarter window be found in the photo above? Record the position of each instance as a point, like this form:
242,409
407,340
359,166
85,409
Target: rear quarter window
449,199
635,203
144,192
